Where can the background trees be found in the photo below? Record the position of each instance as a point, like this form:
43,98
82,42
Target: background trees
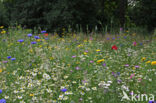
87,14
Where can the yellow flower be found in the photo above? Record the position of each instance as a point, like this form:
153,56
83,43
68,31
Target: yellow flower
31,94
143,58
31,50
51,58
134,34
85,40
153,63
0,70
40,46
38,40
3,32
148,62
1,27
85,53
80,45
98,50
101,60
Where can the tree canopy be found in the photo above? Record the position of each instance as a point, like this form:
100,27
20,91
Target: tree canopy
54,14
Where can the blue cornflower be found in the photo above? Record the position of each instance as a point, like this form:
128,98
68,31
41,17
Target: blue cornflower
118,73
46,38
36,37
107,38
29,35
43,31
125,37
21,40
13,59
64,90
151,102
8,57
4,40
34,42
0,91
141,43
2,101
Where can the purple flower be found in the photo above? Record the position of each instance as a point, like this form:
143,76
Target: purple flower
5,61
118,73
43,31
126,65
119,81
0,91
13,59
104,64
36,37
131,93
84,81
73,56
86,51
77,68
2,101
90,38
121,29
34,42
107,38
64,90
21,40
29,35
8,57
80,99
113,38
125,37
136,66
91,61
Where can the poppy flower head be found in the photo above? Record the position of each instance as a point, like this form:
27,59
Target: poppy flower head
114,47
46,34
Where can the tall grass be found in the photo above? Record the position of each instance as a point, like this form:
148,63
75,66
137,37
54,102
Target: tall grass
78,68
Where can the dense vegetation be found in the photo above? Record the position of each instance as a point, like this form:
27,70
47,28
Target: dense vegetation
75,14
76,69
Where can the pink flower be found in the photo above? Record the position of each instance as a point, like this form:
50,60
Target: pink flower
132,75
74,56
134,43
91,61
77,68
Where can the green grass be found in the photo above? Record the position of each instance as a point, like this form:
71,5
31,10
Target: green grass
41,70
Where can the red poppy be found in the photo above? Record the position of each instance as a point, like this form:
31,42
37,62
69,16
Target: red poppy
46,34
114,47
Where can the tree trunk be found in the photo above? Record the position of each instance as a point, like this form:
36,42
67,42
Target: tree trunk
122,11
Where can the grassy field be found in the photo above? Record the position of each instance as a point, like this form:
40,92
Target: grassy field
44,68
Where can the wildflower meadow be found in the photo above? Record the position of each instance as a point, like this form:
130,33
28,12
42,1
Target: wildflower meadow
44,68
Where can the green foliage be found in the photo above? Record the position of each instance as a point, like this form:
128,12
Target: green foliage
3,18
84,15
144,13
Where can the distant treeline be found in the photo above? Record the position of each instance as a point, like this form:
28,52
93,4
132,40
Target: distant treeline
52,15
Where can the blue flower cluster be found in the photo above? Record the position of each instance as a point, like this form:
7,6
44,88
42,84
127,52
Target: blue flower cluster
2,100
